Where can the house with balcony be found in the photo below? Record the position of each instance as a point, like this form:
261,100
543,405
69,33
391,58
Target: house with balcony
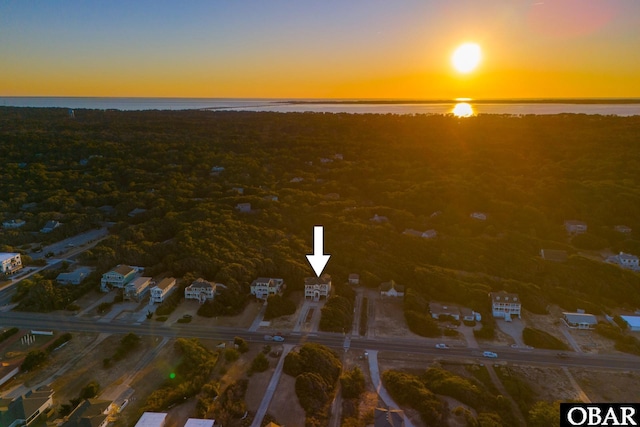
200,290
505,305
162,290
117,278
316,288
264,287
625,261
10,263
136,289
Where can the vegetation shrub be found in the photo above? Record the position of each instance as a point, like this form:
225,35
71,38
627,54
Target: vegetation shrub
337,315
541,339
184,320
278,306
260,363
8,333
231,354
241,344
33,359
128,344
409,390
312,391
352,383
59,341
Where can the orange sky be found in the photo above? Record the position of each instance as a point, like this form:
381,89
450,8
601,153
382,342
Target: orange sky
361,49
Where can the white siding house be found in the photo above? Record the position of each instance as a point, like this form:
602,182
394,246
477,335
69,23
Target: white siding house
201,290
505,305
575,227
316,288
10,263
137,288
264,287
391,289
160,291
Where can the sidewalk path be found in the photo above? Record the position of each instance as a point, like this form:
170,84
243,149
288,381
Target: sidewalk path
377,383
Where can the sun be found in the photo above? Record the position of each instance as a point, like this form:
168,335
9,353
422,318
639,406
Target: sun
466,57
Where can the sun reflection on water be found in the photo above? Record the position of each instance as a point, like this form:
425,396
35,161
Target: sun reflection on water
462,109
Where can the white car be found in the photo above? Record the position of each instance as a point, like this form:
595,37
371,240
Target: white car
442,346
490,354
278,338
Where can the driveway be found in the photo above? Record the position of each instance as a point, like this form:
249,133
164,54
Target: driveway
513,329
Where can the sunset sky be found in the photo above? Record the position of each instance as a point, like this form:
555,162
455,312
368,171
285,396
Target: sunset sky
319,49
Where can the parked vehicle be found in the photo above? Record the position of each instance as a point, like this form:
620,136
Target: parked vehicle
442,346
490,354
278,338
268,338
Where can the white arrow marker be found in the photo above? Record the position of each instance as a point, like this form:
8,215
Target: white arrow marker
318,260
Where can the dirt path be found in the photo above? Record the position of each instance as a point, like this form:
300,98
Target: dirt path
581,394
374,371
505,393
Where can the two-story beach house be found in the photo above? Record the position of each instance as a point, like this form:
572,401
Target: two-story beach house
264,287
317,287
505,305
10,263
162,290
200,290
117,278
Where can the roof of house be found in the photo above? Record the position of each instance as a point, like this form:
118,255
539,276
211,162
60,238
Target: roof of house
387,286
201,283
4,256
553,255
354,276
124,270
502,296
151,419
388,418
632,321
89,413
412,232
322,280
589,319
197,422
439,309
75,275
24,406
628,257
166,283
51,224
139,282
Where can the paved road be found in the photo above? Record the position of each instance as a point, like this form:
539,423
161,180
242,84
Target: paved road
411,346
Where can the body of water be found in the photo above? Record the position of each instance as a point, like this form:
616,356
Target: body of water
286,106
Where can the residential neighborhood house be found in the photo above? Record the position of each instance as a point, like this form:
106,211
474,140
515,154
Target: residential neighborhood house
264,287
379,219
74,277
244,207
579,320
622,229
391,289
160,291
625,261
505,305
633,322
354,279
117,278
429,234
137,288
200,290
50,226
317,287
575,227
14,223
25,409
152,419
458,313
479,216
89,413
10,263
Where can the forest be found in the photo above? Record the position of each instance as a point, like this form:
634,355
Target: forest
186,172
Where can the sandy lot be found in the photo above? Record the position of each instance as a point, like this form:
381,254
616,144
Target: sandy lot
285,407
242,320
609,386
389,318
288,322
